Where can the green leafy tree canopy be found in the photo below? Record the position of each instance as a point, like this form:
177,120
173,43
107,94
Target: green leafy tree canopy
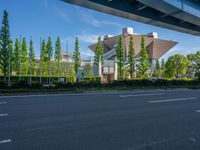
120,57
76,56
99,53
131,57
144,64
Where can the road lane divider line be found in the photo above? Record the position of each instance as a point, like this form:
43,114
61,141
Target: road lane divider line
192,139
3,115
172,100
198,111
1,103
137,95
5,141
79,94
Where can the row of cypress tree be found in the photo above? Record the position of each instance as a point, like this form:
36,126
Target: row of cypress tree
19,59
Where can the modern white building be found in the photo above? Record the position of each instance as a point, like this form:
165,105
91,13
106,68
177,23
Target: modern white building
156,48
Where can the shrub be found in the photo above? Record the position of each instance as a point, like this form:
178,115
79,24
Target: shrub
92,79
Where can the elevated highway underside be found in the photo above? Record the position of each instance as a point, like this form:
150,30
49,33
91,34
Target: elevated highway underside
178,15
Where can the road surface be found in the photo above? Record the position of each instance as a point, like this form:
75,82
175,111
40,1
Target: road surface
126,120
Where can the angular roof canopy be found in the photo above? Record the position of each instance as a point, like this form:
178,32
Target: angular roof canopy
155,47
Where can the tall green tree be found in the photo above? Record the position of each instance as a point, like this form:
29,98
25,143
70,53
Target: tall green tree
58,55
4,45
131,57
24,57
99,53
176,66
32,61
76,56
71,77
157,71
49,56
194,68
120,57
88,71
162,67
11,57
144,64
17,52
44,57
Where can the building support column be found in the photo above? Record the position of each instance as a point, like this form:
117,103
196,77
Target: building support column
115,69
100,68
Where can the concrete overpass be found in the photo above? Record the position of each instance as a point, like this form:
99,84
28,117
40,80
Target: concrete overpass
178,15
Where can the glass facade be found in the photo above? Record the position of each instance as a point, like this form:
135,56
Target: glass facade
186,5
109,63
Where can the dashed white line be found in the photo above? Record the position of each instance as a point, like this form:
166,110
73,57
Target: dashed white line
136,95
3,115
89,93
192,139
5,141
3,103
76,94
172,100
198,111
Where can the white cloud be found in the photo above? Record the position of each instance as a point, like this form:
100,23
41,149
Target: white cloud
87,53
64,17
90,19
85,38
45,4
88,38
63,14
98,23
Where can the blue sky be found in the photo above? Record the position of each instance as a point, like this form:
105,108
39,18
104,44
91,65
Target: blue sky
43,18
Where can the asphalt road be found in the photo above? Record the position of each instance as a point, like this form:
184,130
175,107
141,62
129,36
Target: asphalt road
140,120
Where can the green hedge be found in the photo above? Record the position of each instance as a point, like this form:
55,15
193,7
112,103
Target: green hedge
96,84
36,79
92,79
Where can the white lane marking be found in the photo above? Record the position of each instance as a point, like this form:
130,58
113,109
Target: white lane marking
3,103
75,94
91,93
3,115
5,141
192,139
198,111
136,95
172,100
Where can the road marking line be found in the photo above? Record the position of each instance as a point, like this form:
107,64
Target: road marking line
91,93
172,100
5,141
198,111
3,115
136,95
3,103
76,94
193,139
